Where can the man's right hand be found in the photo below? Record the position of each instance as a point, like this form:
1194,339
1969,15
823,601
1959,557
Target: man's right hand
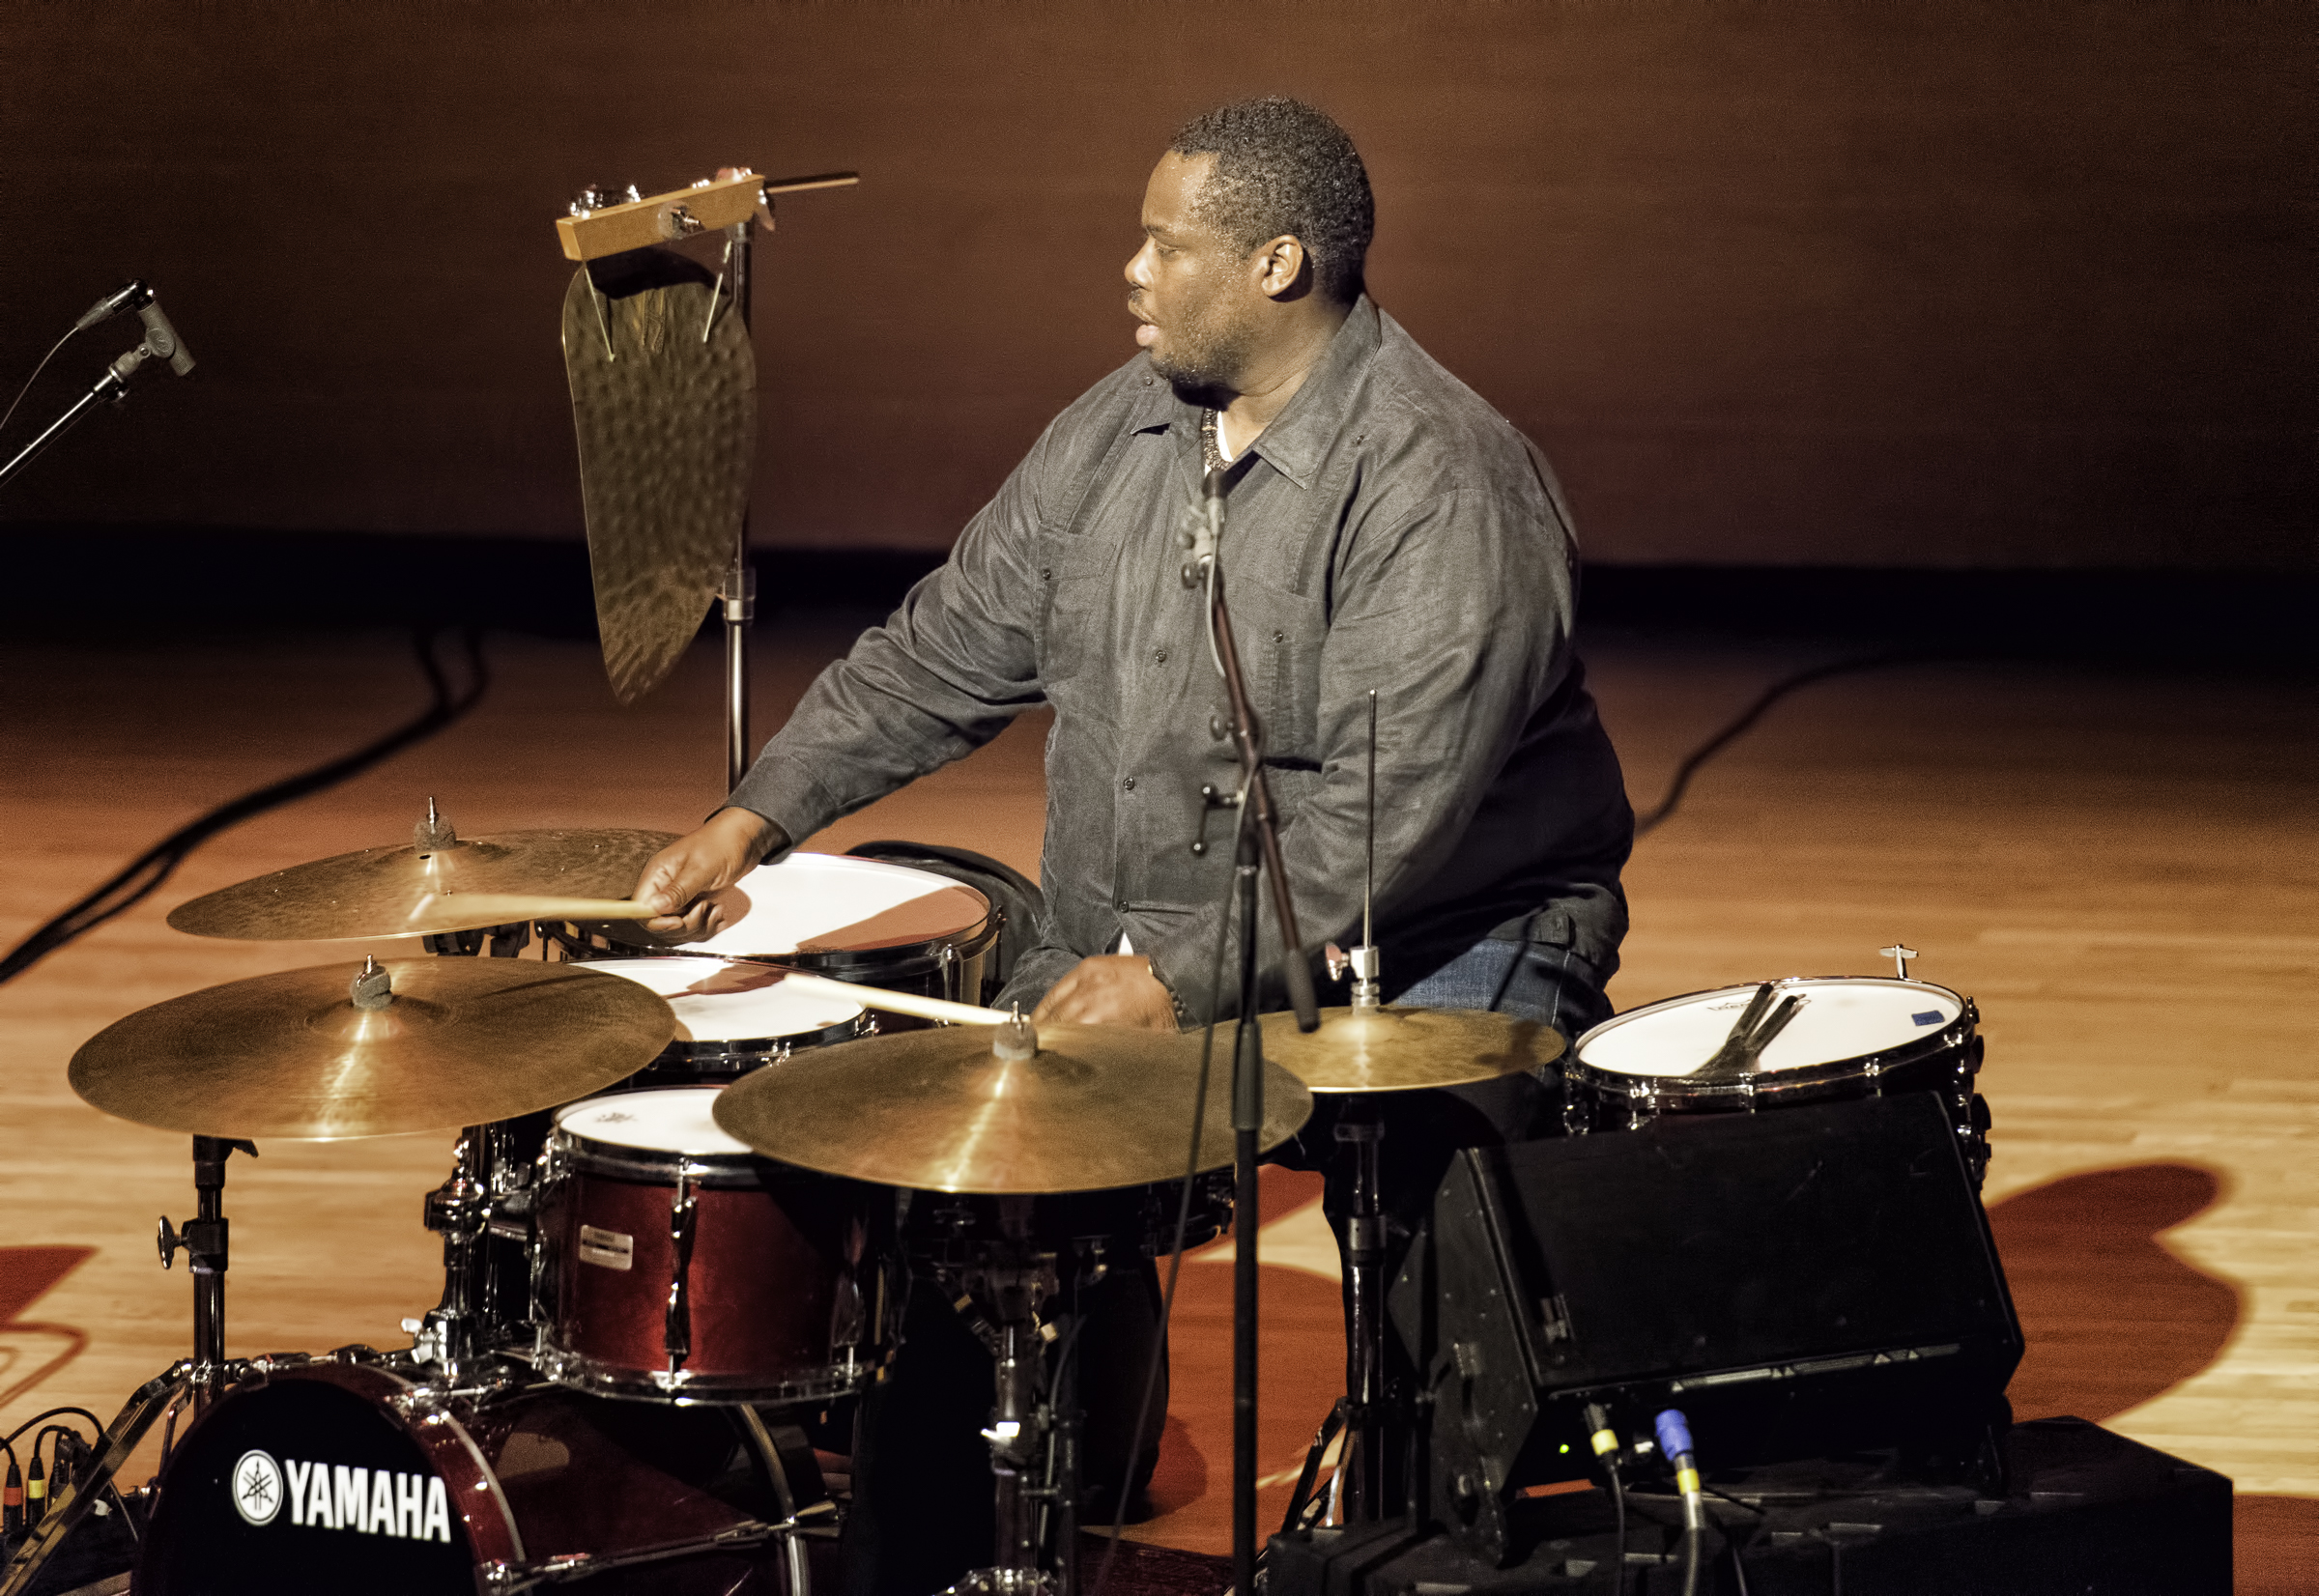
679,878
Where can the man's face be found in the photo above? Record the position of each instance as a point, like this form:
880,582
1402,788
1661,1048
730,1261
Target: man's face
1193,290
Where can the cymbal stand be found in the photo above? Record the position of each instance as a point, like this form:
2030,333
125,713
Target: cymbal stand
1034,1444
455,1334
204,1240
190,1384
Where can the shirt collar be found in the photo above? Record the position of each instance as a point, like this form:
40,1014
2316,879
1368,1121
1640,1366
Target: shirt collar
1298,441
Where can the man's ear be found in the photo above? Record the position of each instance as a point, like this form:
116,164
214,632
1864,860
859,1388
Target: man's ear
1283,270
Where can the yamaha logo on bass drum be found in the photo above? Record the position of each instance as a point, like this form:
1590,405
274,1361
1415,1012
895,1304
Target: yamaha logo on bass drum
326,1496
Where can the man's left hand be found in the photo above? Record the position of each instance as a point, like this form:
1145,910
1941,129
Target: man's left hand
1110,990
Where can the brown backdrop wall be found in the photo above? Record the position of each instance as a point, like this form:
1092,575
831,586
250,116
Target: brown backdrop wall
1938,283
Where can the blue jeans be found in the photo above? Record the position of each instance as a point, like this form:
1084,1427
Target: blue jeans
1555,986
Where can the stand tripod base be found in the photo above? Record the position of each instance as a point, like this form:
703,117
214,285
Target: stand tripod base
1006,1582
71,1506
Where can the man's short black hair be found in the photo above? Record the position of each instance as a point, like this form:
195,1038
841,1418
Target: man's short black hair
1284,167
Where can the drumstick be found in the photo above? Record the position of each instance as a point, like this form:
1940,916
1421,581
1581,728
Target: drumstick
505,908
900,1003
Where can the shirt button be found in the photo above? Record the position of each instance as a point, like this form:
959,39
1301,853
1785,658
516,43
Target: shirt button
1160,656
1280,636
1129,785
1046,573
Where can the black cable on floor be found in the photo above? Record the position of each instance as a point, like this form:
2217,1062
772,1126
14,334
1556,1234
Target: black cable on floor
1755,711
144,875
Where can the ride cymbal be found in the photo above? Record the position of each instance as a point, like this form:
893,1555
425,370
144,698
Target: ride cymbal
1093,1107
1392,1049
404,891
458,1041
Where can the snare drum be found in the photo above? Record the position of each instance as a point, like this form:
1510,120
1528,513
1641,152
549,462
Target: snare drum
733,1017
860,920
1853,1036
673,1263
350,1478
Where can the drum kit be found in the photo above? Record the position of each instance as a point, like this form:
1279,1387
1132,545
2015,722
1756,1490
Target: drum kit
691,1182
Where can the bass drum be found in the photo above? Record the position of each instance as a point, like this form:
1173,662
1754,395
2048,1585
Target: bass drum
351,1479
1850,1037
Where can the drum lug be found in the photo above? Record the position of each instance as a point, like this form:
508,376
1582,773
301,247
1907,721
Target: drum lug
678,1327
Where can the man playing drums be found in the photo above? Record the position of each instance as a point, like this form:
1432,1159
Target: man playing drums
1387,531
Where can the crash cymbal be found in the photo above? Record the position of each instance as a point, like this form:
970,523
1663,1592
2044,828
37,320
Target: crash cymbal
939,1110
1392,1049
404,892
458,1041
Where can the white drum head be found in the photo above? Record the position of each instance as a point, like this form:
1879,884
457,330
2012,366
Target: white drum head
819,902
716,1000
670,1119
1843,1017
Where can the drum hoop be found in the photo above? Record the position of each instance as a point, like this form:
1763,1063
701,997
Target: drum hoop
1771,1087
578,1154
579,1372
1955,1034
423,1422
764,1049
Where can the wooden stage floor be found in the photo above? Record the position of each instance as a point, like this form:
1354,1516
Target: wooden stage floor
2119,865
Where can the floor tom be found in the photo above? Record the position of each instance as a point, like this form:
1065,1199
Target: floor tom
673,1263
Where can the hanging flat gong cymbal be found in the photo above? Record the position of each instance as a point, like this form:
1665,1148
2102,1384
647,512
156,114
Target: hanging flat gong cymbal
1093,1107
438,1043
407,891
664,402
1394,1049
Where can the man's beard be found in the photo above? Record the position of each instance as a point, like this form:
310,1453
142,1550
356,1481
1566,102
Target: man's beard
1210,355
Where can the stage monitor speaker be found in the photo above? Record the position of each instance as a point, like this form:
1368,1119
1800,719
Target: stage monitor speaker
1800,1283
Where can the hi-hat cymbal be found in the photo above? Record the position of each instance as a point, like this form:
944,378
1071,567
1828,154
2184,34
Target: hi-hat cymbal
461,1041
1394,1049
403,892
941,1111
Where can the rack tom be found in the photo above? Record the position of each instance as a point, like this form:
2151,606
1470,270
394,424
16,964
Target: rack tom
733,1017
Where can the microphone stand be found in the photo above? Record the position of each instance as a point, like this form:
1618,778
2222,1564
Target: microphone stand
1259,844
111,388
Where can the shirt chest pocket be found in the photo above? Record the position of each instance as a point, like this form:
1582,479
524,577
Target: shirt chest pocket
1073,630
1281,634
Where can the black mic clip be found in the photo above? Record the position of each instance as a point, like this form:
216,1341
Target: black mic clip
129,295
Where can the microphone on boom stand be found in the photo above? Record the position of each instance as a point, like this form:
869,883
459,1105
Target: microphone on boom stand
1259,848
160,343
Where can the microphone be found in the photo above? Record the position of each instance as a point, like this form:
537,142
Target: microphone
128,297
160,338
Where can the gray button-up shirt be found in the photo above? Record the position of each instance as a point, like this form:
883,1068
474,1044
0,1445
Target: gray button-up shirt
1389,530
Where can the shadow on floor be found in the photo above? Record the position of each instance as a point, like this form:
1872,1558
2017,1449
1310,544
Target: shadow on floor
2113,1317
